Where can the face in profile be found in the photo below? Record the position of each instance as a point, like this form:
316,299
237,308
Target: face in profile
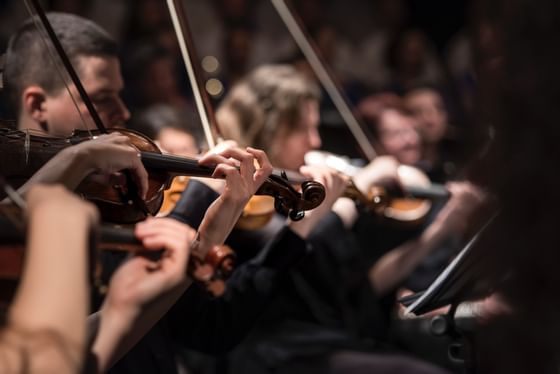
431,117
398,136
292,143
101,78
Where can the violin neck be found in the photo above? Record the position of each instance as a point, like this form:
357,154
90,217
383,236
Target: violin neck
435,191
291,177
175,165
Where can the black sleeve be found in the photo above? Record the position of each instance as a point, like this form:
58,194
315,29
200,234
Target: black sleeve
215,325
194,202
342,268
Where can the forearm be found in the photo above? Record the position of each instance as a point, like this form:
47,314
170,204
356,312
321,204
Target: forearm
393,267
119,331
55,262
346,211
69,167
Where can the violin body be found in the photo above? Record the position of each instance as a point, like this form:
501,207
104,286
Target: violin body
172,195
23,154
111,200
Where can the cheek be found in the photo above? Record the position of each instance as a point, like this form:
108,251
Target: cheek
390,146
289,152
62,119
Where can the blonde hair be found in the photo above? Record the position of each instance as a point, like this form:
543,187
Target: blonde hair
265,103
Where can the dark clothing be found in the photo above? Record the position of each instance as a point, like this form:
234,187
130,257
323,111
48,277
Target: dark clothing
202,322
349,362
326,304
326,313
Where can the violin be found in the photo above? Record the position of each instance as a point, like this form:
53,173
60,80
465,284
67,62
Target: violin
260,208
407,205
208,270
24,153
111,200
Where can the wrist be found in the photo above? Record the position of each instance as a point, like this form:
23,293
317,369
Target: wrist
80,160
346,210
118,318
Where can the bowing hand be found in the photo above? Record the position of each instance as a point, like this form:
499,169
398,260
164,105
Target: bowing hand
140,281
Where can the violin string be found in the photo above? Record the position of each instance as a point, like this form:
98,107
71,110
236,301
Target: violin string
15,197
56,62
312,54
181,30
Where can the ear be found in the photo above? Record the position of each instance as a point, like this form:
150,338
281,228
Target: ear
34,103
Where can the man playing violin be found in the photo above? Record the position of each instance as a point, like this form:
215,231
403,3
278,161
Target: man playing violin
42,102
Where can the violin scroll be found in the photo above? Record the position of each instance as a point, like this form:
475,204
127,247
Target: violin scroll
290,202
213,269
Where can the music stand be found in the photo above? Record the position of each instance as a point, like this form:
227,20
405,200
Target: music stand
460,281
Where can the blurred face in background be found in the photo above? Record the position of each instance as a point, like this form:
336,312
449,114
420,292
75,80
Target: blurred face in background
398,136
431,117
177,142
292,143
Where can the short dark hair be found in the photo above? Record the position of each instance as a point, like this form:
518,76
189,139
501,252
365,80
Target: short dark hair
28,60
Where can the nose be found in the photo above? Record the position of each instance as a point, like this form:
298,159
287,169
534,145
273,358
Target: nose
412,138
314,138
120,114
125,113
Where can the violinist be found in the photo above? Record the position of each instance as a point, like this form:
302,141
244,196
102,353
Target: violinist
41,102
328,312
395,126
196,320
45,329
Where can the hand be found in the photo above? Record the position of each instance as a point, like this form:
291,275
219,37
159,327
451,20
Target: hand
222,146
238,168
465,199
334,183
111,153
217,184
382,170
242,181
139,280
